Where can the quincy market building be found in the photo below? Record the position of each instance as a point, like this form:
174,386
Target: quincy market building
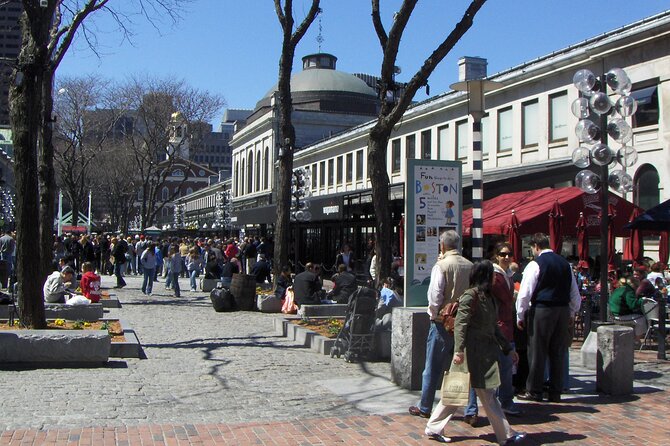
527,134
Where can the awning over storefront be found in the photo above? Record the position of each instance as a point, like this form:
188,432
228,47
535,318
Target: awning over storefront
532,208
328,207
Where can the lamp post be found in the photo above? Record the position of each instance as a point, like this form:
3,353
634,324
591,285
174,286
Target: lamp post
600,117
472,80
301,192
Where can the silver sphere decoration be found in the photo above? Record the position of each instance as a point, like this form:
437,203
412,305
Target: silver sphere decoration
619,130
587,131
584,80
600,103
580,108
587,181
626,106
601,154
620,181
618,80
581,157
627,156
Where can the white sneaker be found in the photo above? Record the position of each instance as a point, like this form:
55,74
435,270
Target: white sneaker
437,437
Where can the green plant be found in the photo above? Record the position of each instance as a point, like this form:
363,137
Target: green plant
334,326
105,326
78,325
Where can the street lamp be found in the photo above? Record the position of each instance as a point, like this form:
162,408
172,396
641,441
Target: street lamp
472,73
301,192
593,108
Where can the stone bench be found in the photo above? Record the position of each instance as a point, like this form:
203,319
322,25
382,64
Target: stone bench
408,346
325,310
54,346
88,313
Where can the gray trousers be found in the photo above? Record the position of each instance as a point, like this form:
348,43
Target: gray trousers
548,338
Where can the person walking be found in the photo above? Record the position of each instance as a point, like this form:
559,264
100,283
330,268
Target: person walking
148,261
119,255
478,342
175,270
448,280
194,267
547,303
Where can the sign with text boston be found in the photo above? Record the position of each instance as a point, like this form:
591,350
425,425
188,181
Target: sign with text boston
433,204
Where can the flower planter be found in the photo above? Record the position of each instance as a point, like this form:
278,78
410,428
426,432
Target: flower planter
54,346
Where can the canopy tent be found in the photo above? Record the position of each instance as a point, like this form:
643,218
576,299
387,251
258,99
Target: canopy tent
654,219
532,208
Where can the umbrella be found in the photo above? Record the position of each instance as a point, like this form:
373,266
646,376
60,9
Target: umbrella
635,244
582,238
513,237
556,228
654,219
663,248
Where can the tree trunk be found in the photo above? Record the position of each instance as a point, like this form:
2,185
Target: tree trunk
47,182
377,172
25,98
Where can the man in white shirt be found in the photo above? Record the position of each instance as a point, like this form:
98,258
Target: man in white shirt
546,305
449,278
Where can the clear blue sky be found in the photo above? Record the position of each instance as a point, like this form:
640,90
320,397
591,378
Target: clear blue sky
231,47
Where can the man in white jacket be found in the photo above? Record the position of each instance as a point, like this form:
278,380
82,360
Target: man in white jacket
57,285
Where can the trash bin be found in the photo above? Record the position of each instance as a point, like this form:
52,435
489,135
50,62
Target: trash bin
243,289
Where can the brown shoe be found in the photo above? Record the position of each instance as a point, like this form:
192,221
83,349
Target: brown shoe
415,411
472,420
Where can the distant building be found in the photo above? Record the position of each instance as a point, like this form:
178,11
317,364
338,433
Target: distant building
10,45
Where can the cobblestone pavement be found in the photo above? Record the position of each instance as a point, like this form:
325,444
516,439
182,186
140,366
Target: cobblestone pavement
227,378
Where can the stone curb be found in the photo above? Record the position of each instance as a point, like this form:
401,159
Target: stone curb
303,336
129,349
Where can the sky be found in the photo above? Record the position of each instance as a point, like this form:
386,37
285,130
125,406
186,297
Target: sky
232,47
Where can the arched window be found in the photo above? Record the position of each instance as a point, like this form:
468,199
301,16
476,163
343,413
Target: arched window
164,194
236,173
646,187
250,172
242,183
266,178
189,190
258,170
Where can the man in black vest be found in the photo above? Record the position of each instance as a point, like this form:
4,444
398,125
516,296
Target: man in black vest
547,303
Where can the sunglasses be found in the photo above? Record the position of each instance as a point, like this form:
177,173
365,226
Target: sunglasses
505,254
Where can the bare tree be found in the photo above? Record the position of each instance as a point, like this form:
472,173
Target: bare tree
84,121
171,120
48,29
391,111
290,40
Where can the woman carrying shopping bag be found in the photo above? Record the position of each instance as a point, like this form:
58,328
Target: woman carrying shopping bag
477,343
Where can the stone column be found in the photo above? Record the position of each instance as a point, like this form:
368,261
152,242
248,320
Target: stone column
614,374
408,346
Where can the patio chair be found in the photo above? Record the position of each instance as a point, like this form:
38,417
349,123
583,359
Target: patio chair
650,311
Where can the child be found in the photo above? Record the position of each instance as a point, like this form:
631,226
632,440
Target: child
90,283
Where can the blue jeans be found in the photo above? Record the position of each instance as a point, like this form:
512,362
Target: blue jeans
118,267
175,284
193,275
148,283
439,351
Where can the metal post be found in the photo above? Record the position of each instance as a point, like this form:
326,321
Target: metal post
477,189
90,195
60,213
604,219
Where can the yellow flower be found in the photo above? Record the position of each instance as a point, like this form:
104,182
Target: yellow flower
87,324
59,322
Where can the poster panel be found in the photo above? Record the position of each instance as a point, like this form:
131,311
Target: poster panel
433,204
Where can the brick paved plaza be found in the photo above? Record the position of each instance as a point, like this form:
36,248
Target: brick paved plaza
226,378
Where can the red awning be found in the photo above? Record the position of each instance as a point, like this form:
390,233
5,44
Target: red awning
532,208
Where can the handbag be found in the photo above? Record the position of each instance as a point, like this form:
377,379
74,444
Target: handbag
289,306
448,313
455,388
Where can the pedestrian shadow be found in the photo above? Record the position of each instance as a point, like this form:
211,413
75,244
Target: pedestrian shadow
536,439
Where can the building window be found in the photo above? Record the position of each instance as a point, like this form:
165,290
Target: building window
426,147
530,117
558,117
322,174
395,156
250,172
258,171
443,142
359,165
164,194
462,144
350,167
242,183
340,170
410,146
647,106
331,172
237,178
266,177
646,187
486,134
189,190
505,130
314,175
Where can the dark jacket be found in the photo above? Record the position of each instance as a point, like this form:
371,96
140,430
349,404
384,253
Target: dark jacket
119,251
307,288
345,285
262,271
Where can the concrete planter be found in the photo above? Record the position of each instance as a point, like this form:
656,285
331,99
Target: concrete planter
303,336
54,346
89,313
129,349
